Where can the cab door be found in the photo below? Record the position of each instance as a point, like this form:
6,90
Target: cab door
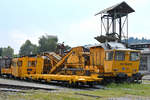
108,62
20,68
15,69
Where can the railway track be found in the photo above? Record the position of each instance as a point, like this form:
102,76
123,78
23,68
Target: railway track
22,84
9,86
53,86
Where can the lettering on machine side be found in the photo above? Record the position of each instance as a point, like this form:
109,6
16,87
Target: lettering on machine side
127,64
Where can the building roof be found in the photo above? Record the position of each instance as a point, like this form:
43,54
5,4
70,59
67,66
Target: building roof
146,52
121,9
145,43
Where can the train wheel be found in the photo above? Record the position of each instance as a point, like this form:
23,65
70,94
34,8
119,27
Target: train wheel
73,85
110,80
76,84
91,84
130,80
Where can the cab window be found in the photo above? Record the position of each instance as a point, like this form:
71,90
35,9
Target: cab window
109,55
119,55
14,64
134,56
19,63
31,63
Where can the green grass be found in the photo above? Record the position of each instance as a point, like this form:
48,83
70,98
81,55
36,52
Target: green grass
43,95
119,90
111,91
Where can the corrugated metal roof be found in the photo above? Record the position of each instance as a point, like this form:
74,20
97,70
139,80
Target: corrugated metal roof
122,8
112,45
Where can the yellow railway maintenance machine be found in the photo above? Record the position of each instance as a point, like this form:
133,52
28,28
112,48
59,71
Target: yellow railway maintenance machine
115,64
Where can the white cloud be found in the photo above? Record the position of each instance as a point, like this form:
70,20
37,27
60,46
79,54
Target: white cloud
19,37
137,2
84,31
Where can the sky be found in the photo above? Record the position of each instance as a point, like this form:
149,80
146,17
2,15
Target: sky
72,21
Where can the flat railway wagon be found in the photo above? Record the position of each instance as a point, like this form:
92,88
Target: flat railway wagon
38,68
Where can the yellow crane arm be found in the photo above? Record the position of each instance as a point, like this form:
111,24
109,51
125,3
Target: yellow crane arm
53,57
58,65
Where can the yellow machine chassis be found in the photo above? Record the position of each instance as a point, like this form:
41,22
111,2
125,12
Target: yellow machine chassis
68,78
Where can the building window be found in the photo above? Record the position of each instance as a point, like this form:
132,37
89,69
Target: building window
143,63
146,46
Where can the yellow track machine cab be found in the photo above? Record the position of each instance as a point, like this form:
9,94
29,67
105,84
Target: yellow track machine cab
118,63
121,61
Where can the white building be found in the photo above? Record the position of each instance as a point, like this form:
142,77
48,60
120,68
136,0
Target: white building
145,55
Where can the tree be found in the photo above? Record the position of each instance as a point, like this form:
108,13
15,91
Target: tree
47,43
67,47
137,40
1,51
9,52
28,48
